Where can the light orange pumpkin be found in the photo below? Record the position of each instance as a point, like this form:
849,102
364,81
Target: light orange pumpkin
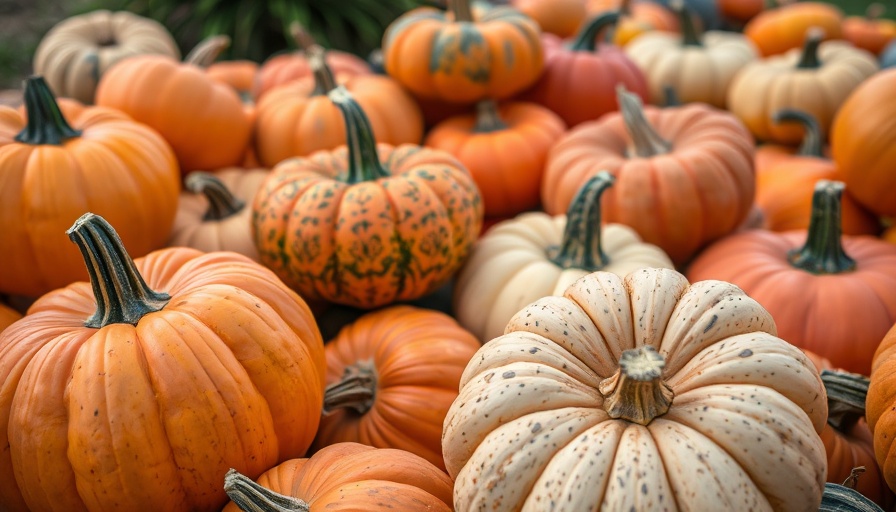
870,32
784,28
880,405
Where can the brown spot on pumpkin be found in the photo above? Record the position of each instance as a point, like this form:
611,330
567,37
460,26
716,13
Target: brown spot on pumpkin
746,353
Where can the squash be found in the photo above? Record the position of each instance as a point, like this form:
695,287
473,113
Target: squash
637,17
879,409
137,390
846,285
580,78
345,476
870,32
366,225
203,120
7,316
77,51
391,376
863,143
626,391
505,148
698,65
684,175
559,17
53,170
816,80
778,30
536,255
461,58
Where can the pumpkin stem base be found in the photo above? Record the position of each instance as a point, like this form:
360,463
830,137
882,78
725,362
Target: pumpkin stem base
356,390
637,392
251,497
823,252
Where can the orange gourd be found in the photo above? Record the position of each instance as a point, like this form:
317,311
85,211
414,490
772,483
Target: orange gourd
784,28
880,405
559,17
870,32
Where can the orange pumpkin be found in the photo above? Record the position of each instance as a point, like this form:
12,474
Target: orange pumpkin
366,225
638,17
53,171
461,58
391,377
203,120
879,405
684,175
137,390
870,32
559,17
820,288
784,28
346,477
7,316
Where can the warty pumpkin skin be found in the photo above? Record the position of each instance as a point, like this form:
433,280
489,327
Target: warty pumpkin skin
778,30
53,170
879,405
650,380
137,390
366,225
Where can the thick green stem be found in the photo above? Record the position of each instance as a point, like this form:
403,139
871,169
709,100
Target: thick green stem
121,294
581,244
207,52
46,124
846,397
637,392
221,202
356,390
823,252
812,137
691,36
647,142
324,81
809,58
670,96
251,497
363,160
586,39
461,10
488,118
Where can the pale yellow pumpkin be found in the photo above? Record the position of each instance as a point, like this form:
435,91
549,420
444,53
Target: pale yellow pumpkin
535,254
638,393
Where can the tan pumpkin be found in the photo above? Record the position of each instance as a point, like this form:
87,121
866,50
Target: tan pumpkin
535,255
624,392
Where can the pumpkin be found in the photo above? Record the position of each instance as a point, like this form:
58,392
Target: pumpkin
580,79
215,211
879,409
53,170
559,17
7,316
846,285
844,497
863,143
784,28
785,184
626,392
344,477
298,119
391,376
699,66
238,74
740,11
536,255
203,120
637,17
684,174
816,80
461,58
366,225
78,51
870,32
137,390
504,149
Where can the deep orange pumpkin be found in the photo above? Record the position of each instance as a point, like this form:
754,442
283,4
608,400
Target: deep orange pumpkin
638,17
7,316
784,28
559,17
880,406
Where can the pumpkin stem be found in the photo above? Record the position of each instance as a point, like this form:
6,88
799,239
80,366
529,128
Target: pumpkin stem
586,39
637,392
647,142
46,124
625,8
461,10
356,390
812,138
363,160
303,39
121,294
488,118
221,202
324,81
853,477
846,398
809,58
207,52
823,252
691,36
670,96
251,497
581,245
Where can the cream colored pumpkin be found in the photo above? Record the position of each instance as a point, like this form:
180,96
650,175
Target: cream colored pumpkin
697,66
536,254
76,52
642,393
214,213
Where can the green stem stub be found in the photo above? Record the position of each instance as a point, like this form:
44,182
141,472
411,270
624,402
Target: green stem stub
356,390
252,497
823,251
363,159
488,117
324,81
645,139
581,244
586,39
121,294
846,397
691,36
813,144
461,10
46,124
809,59
221,202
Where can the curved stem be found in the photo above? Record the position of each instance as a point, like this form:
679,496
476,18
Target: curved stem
251,497
647,142
301,36
812,144
122,296
221,202
846,398
46,124
324,81
823,252
581,245
356,390
637,391
488,118
691,36
461,10
363,160
207,52
809,58
586,39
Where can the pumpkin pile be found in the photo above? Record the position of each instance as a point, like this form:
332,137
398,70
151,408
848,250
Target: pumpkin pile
541,255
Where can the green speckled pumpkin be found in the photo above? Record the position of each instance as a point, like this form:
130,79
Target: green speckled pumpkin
366,225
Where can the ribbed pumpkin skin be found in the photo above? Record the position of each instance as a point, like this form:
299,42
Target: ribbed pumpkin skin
418,356
351,477
289,67
879,405
149,417
784,28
